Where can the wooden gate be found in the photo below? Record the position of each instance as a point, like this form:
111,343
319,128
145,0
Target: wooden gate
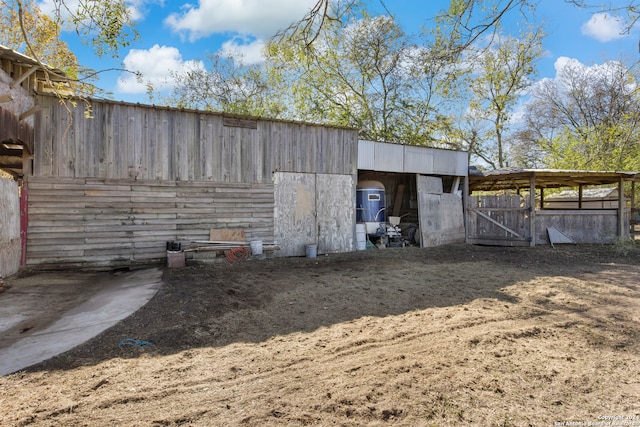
502,220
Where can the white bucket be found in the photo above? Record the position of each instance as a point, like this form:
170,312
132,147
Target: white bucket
256,247
361,237
311,250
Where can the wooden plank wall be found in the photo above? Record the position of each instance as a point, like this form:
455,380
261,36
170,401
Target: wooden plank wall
10,242
104,222
138,142
582,226
441,214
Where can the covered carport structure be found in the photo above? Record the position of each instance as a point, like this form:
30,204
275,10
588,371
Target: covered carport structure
507,207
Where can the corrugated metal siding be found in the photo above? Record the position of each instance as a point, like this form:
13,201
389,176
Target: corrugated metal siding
418,160
446,162
385,157
389,158
366,155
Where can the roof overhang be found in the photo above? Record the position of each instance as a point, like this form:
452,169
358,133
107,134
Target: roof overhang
51,78
516,179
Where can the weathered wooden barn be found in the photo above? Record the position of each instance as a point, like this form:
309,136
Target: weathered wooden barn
109,183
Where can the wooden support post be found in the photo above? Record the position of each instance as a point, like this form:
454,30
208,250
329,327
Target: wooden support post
632,223
30,111
465,204
532,213
621,208
25,76
580,196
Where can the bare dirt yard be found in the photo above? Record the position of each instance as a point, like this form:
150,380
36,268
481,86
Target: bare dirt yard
456,335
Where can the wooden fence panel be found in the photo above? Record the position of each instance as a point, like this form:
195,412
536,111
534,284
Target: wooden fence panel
498,219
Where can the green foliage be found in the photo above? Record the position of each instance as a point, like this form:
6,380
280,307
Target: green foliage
41,31
231,87
104,24
499,73
363,72
588,118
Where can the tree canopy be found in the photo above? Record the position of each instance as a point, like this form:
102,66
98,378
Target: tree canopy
105,25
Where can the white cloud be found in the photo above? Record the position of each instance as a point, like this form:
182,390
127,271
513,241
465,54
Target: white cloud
256,17
604,27
243,51
155,66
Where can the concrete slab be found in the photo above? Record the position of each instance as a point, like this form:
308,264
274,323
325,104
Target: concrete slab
49,313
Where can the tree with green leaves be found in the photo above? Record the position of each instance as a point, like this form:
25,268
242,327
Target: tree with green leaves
105,25
502,72
363,72
230,86
588,117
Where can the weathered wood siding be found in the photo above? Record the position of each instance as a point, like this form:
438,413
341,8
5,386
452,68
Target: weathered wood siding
112,189
110,222
493,220
441,214
582,226
138,142
314,209
10,243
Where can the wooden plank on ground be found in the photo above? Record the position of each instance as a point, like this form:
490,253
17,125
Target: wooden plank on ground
227,234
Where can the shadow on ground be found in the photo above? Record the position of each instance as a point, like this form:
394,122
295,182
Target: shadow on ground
254,301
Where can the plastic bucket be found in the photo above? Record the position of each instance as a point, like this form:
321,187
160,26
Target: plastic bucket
312,250
256,247
361,237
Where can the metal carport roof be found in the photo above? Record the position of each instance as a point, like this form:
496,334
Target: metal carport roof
515,179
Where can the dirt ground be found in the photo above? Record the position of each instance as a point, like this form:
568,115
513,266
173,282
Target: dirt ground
456,335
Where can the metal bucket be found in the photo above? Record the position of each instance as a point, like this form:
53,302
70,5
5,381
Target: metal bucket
361,237
311,250
256,247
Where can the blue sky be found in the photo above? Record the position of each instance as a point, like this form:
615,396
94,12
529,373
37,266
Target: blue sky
177,34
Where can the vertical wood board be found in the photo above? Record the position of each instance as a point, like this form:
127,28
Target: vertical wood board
336,201
295,212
